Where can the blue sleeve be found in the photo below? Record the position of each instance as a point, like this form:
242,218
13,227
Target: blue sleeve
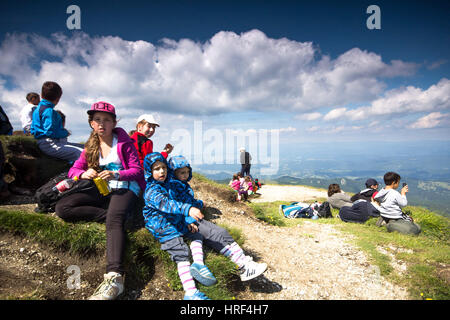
189,220
158,198
191,199
52,124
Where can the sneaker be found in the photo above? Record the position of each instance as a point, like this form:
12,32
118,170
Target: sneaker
202,274
110,288
251,270
196,296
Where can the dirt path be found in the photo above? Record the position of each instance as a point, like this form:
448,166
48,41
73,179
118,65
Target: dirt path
310,261
271,193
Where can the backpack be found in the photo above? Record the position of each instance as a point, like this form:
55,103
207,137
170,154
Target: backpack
324,210
46,198
5,126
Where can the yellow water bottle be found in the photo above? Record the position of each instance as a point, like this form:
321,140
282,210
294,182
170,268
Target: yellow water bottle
102,186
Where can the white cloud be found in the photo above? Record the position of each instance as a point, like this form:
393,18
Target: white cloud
334,114
288,129
309,116
403,101
431,120
227,73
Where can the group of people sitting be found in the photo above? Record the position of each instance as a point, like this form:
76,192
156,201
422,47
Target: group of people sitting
171,212
244,186
132,170
386,204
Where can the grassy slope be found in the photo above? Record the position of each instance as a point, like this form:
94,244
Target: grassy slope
427,255
142,249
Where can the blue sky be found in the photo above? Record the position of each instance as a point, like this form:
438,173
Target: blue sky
311,69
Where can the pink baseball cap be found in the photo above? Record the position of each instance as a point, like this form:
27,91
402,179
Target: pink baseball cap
102,106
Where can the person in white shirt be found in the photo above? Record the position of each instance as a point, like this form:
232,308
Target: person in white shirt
26,114
391,203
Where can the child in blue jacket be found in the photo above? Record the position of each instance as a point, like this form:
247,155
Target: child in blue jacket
47,126
169,219
215,237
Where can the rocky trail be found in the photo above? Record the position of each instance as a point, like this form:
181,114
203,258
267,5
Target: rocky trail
310,261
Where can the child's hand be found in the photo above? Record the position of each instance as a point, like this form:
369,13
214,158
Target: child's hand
404,190
89,174
193,228
168,148
106,175
195,213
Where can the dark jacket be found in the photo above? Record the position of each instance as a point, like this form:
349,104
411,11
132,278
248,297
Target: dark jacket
360,212
365,194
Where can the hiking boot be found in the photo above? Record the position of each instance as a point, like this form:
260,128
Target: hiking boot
202,274
196,296
110,288
251,270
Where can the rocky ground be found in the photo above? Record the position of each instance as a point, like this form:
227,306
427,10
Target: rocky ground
311,261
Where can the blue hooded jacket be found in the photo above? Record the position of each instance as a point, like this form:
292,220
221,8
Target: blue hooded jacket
180,190
47,123
164,216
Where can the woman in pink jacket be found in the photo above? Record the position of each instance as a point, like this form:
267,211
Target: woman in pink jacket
109,154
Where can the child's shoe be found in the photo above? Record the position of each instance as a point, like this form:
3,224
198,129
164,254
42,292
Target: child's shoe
196,296
202,274
251,270
110,288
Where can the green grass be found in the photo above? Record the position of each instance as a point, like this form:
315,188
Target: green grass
426,255
142,250
203,179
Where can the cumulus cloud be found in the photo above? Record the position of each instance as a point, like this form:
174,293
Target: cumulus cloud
227,73
406,101
309,116
334,114
431,120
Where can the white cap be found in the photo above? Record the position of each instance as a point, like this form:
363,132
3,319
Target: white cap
242,149
149,118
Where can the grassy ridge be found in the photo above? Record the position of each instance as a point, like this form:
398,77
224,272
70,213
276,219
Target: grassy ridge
142,250
427,255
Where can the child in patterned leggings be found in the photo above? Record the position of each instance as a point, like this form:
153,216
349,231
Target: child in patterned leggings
171,213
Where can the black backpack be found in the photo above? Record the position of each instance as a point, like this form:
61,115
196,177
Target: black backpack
46,198
324,210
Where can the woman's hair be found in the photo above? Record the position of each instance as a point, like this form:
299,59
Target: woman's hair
247,178
235,177
92,147
333,188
